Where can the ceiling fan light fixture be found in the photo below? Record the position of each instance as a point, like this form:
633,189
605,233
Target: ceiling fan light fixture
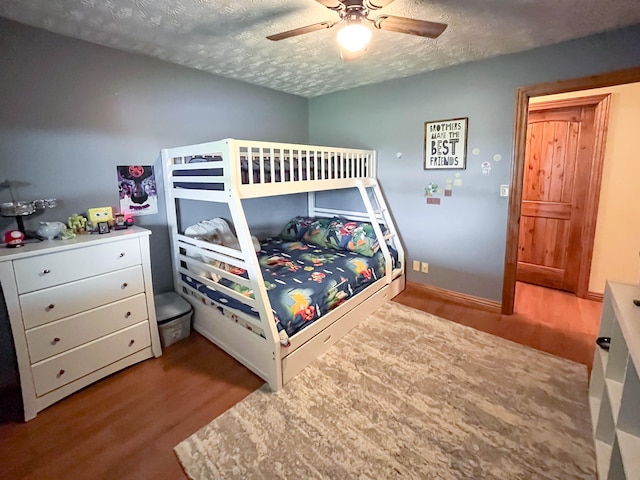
354,37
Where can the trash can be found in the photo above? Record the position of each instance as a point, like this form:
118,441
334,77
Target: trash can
174,317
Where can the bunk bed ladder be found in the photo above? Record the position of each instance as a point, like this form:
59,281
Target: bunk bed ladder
376,212
382,212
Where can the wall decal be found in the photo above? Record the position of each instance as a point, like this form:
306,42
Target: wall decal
457,182
433,201
432,189
445,144
486,168
497,157
476,151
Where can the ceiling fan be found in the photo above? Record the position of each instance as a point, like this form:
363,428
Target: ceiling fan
355,35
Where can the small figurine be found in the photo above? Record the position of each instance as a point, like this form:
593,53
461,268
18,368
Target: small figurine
100,214
50,230
119,221
68,234
14,239
77,223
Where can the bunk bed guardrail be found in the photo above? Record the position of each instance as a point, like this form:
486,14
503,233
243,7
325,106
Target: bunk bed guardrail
256,169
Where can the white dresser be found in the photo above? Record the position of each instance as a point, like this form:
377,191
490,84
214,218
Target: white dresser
614,389
80,310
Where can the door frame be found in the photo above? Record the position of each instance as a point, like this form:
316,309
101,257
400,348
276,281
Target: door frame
523,94
590,206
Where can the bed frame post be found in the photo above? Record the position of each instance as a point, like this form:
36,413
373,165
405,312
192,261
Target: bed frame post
172,217
263,305
311,204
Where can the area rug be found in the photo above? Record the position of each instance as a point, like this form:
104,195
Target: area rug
412,396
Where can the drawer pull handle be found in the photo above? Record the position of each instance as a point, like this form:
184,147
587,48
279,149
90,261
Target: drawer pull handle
121,254
55,340
60,373
127,315
125,285
45,271
327,339
131,342
51,306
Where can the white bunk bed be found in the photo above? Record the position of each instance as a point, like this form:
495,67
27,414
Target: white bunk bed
230,170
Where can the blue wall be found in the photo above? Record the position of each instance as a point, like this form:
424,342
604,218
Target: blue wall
70,111
464,237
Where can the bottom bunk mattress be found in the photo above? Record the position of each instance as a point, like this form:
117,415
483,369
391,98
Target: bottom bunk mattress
303,281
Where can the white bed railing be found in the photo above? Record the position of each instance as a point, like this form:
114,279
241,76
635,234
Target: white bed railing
258,169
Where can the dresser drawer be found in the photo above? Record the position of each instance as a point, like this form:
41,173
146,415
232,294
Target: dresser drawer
51,269
62,335
53,303
69,366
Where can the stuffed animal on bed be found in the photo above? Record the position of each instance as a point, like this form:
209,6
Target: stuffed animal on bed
216,231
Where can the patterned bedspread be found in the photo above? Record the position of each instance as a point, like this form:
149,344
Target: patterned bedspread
304,281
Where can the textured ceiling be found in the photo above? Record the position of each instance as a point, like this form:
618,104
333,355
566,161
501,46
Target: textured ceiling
227,37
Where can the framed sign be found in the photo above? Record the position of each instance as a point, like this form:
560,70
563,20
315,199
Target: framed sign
103,227
445,144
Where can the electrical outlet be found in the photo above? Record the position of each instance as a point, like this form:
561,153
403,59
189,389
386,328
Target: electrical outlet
504,190
425,267
416,265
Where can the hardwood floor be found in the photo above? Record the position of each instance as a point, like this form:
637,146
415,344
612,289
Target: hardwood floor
549,320
125,426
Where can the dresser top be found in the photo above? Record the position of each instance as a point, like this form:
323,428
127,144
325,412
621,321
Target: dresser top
82,240
628,316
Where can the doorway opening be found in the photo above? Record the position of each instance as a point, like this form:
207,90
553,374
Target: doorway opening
564,156
523,96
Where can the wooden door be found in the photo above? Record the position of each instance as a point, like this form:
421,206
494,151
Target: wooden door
557,187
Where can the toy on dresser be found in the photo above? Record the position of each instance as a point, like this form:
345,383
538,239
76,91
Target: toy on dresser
51,230
100,219
14,239
77,223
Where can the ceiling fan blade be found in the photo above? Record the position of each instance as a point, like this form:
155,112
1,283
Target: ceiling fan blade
411,26
300,31
377,4
332,4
